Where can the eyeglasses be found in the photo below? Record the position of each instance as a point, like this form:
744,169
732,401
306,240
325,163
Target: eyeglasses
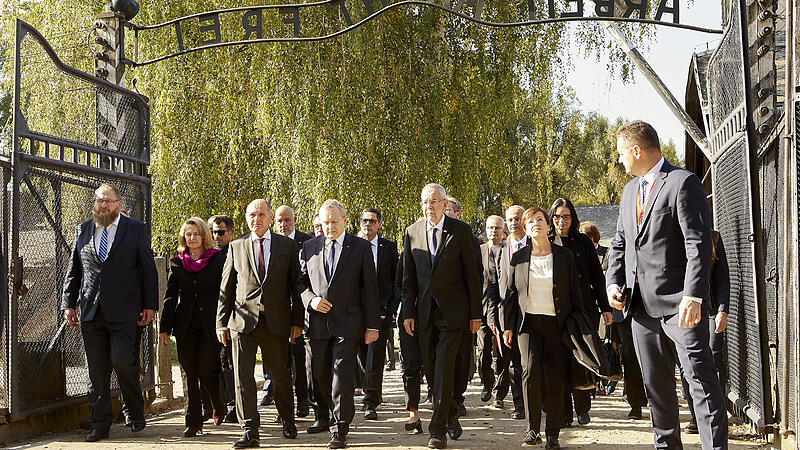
432,202
219,232
557,217
105,202
366,221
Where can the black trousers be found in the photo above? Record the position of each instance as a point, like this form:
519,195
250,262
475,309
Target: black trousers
302,385
275,355
411,362
439,345
509,374
634,386
545,360
333,363
465,365
123,407
486,345
198,354
374,362
111,346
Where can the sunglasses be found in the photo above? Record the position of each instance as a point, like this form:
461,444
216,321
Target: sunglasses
365,221
219,232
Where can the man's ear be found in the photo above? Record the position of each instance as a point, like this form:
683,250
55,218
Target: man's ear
637,151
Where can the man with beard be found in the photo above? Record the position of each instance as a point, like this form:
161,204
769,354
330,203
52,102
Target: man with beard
112,272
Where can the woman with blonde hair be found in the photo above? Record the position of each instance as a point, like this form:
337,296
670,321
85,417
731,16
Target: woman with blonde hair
189,314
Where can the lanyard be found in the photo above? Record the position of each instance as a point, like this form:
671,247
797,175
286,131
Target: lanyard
640,208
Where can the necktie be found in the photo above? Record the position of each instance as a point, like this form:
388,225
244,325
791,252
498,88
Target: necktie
642,198
433,246
518,246
330,261
102,252
261,269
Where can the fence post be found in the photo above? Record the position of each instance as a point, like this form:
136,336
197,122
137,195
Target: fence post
163,355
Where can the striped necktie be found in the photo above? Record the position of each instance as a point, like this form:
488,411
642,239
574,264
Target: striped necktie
102,252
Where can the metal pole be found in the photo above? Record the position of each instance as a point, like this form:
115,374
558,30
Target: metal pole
12,382
638,60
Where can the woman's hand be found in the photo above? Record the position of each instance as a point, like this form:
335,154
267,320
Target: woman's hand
508,336
163,339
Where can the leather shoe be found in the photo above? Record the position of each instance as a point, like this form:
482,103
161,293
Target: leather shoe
192,431
518,414
691,428
96,434
318,426
584,419
455,431
437,441
303,408
289,430
371,414
247,441
552,442
498,403
532,438
138,425
486,395
635,413
231,416
337,441
267,400
462,411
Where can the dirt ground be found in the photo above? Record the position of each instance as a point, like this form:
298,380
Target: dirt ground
484,427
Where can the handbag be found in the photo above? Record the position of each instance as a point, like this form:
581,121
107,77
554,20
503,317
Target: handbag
611,370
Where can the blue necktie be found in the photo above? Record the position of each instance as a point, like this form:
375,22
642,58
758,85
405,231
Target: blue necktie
433,247
102,252
330,261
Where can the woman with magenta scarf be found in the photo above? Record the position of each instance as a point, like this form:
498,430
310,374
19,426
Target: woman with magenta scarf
189,314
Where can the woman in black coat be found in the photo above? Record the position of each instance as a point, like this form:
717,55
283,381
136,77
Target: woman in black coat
592,281
543,292
189,314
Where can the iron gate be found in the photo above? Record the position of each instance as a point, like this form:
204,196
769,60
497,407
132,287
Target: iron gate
71,132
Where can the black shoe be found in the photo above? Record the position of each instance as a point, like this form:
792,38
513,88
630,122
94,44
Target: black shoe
532,438
584,419
267,400
552,442
96,434
518,414
192,431
371,414
138,425
318,426
437,441
612,385
462,411
636,413
691,428
247,441
486,395
289,430
389,366
231,416
337,441
206,415
414,426
303,409
498,403
455,431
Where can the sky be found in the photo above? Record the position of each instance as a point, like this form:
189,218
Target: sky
669,54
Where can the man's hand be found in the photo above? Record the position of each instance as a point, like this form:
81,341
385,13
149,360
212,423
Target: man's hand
294,333
146,317
370,336
508,337
474,325
688,313
224,336
319,304
614,297
721,321
607,318
163,339
409,325
71,317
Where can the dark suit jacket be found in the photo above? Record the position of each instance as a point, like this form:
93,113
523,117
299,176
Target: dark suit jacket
241,290
191,296
353,290
720,291
123,285
387,272
590,274
671,251
301,237
567,294
489,263
453,279
602,255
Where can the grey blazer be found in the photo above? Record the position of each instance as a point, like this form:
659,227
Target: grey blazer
670,253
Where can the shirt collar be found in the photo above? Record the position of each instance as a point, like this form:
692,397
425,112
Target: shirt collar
374,241
650,176
291,235
438,226
339,240
254,236
513,242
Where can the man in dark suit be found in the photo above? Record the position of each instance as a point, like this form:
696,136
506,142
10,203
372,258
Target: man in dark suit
112,277
509,366
339,287
300,364
486,336
373,356
660,209
259,306
441,298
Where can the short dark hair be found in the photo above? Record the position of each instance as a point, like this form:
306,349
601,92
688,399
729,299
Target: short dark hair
573,226
640,133
220,219
591,230
374,211
527,216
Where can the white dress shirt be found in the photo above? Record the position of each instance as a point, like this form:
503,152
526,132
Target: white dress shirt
291,235
513,244
374,244
650,177
265,244
437,227
112,232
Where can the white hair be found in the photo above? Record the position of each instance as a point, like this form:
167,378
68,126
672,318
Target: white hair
435,187
333,204
496,218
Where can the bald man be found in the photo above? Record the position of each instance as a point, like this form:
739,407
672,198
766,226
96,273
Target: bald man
260,306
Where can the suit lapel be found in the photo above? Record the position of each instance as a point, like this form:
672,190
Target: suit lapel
247,246
660,181
422,236
273,247
446,236
346,250
521,273
90,243
122,228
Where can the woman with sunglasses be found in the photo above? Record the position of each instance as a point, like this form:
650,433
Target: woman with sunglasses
190,307
543,292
